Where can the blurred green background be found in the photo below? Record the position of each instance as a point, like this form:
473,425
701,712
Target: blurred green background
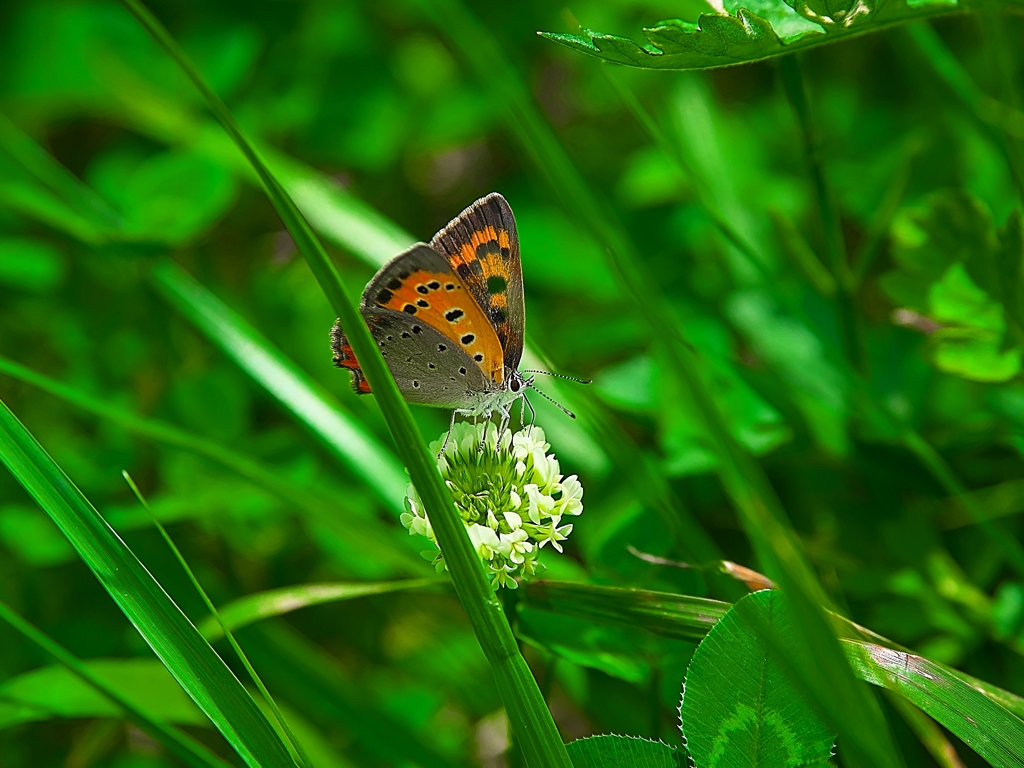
389,118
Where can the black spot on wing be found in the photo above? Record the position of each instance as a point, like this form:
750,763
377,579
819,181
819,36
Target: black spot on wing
486,249
384,296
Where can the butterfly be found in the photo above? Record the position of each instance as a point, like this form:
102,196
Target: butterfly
449,317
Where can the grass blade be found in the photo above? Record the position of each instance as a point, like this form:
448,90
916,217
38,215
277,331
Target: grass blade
285,731
277,602
526,708
847,705
362,533
174,740
170,634
340,433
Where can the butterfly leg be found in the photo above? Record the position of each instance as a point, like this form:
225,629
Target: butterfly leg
483,435
506,417
451,426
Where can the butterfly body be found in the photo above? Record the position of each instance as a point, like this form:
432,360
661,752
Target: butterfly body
449,317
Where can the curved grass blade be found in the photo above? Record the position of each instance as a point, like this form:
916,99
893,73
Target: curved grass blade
285,730
740,36
340,433
330,695
194,664
927,731
677,616
523,701
362,533
37,161
981,723
278,602
176,742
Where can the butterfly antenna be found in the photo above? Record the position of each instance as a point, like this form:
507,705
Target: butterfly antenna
550,399
561,376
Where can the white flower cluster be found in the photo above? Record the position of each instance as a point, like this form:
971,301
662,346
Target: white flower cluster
510,495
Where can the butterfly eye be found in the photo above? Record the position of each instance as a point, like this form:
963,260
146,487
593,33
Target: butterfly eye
514,385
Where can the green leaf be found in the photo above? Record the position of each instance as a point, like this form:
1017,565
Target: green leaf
984,716
277,602
1009,267
953,269
194,664
623,752
173,196
55,691
32,537
739,707
750,31
613,651
954,700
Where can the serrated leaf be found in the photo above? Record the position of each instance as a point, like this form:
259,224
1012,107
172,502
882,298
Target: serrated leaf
985,717
755,31
623,752
740,709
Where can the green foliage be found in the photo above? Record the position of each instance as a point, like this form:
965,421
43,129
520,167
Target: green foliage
599,751
162,625
804,327
751,31
50,692
958,272
740,707
264,605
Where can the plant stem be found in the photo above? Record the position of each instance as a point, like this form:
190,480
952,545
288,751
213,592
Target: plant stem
828,213
526,709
